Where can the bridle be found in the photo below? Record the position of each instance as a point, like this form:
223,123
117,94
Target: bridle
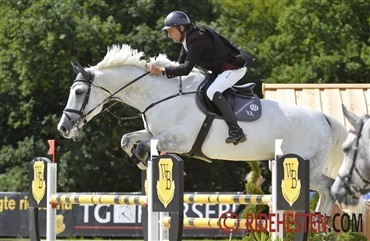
346,180
88,78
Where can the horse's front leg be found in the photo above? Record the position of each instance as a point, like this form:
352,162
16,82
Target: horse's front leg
168,141
130,142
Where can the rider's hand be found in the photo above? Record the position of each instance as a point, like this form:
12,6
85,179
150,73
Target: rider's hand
154,69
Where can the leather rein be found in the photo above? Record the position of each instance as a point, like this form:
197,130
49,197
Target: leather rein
88,78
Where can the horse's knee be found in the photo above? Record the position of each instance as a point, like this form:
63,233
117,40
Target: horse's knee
128,141
125,143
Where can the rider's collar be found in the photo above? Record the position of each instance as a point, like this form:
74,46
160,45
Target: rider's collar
184,44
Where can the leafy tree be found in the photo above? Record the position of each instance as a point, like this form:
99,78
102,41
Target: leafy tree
248,24
294,41
38,41
320,42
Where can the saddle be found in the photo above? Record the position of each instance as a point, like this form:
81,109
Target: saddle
245,104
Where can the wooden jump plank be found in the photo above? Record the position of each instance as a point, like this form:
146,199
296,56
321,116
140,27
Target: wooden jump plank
332,103
310,98
268,87
327,98
354,100
286,95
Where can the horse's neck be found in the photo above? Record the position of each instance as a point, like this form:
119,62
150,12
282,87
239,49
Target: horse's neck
148,89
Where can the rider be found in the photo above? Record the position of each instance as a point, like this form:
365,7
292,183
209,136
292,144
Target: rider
211,53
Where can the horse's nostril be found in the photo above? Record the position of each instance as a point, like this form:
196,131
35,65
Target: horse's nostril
62,129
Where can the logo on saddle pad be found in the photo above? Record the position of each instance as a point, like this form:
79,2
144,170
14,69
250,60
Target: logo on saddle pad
165,183
38,183
291,184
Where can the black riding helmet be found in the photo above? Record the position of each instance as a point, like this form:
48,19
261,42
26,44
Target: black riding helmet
176,19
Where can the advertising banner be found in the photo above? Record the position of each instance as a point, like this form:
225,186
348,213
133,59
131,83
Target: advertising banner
102,220
98,220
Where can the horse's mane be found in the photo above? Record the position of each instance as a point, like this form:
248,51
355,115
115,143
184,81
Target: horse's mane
122,55
162,60
125,55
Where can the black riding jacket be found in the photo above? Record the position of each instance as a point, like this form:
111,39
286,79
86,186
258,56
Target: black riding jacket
204,50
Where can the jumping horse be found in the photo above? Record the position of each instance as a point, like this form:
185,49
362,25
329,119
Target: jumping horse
353,178
171,115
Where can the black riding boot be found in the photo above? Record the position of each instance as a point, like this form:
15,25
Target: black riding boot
236,134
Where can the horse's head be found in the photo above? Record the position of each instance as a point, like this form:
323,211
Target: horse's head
93,87
353,176
82,104
122,76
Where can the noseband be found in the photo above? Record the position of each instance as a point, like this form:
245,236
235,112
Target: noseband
89,79
346,180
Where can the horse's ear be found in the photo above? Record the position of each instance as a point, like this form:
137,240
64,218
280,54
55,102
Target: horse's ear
82,70
352,118
75,68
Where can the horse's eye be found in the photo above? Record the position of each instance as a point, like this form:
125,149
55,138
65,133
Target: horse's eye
78,92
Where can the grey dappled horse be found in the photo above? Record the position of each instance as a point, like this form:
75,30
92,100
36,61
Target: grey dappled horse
170,115
353,178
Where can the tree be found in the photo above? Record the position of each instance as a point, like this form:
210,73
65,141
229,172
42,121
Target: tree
320,42
294,41
248,24
38,41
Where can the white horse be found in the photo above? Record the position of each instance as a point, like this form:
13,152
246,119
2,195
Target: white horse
171,115
353,178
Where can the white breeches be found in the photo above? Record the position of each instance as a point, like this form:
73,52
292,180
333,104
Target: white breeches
225,80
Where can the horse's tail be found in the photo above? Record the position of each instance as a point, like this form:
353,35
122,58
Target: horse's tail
335,160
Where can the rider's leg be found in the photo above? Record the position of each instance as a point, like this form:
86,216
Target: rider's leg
236,134
223,81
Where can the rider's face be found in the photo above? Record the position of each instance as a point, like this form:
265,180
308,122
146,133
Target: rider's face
174,34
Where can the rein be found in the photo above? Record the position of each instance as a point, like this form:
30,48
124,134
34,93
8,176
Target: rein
90,79
117,91
165,99
346,180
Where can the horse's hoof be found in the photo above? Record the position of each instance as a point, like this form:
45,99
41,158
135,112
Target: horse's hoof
140,164
141,151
